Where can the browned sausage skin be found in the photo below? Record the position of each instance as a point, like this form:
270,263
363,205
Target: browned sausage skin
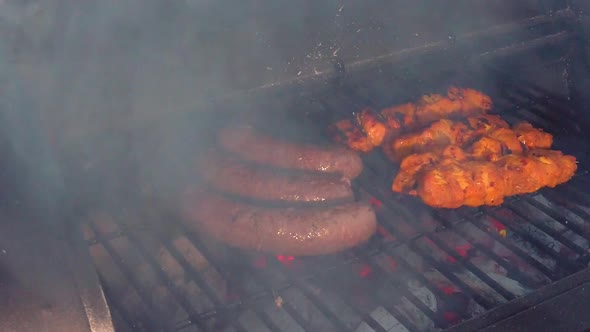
233,176
250,145
285,231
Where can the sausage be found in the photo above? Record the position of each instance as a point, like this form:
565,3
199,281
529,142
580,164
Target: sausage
262,183
250,145
285,231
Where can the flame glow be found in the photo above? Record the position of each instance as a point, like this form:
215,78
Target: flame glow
365,271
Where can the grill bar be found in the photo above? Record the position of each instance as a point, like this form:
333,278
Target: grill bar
397,285
547,249
514,271
220,267
473,269
572,208
178,294
275,293
560,218
424,281
143,293
414,274
516,250
554,234
119,310
450,276
315,300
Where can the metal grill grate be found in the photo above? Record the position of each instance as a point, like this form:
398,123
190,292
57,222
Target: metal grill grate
426,269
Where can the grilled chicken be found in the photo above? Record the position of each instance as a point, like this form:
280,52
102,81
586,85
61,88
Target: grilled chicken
474,183
405,180
489,135
374,128
450,163
439,134
464,156
346,132
458,102
410,116
532,137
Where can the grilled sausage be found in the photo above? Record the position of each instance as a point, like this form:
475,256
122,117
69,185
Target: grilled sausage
245,142
285,231
233,176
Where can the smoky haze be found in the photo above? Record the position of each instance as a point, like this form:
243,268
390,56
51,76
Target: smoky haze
126,86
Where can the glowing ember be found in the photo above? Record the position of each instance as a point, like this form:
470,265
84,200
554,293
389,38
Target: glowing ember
449,290
286,260
451,259
365,271
375,202
500,228
463,249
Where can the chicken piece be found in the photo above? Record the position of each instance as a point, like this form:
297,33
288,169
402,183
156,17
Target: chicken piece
439,134
345,132
452,184
568,165
372,126
410,116
454,152
401,117
434,107
406,177
495,138
539,168
405,180
486,122
472,101
430,108
508,138
532,137
491,179
487,148
524,174
443,186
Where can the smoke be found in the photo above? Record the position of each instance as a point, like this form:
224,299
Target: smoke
132,82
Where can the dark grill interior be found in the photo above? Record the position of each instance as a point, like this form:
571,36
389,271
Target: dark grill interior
426,269
106,104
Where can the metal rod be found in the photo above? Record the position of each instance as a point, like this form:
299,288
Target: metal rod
134,282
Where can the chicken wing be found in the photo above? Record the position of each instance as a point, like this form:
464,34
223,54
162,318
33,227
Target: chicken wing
395,120
475,183
375,129
489,136
344,131
532,137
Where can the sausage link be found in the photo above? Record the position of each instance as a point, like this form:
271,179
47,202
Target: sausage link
262,183
256,147
285,231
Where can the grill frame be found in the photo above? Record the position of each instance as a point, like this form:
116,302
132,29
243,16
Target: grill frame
561,287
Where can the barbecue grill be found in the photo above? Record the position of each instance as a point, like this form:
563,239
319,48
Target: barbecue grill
520,266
